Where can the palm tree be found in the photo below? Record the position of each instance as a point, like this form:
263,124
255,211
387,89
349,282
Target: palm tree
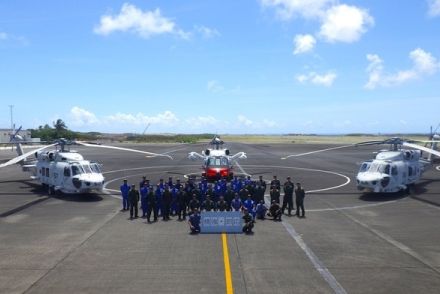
60,125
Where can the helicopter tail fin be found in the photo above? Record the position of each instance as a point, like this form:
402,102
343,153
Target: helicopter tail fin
16,139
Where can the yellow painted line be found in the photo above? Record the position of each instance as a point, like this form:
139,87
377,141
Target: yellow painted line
228,276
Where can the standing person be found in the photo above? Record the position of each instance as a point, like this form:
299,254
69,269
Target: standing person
236,184
274,195
133,200
288,196
243,194
181,203
142,182
262,183
159,196
194,222
125,188
151,204
170,182
300,194
229,195
259,193
275,183
144,192
166,203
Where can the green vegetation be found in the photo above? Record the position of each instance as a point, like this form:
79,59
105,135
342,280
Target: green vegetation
60,130
177,138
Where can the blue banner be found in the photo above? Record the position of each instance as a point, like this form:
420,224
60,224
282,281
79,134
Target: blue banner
221,222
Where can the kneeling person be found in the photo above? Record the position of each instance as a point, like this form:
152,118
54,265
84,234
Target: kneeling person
261,210
248,222
275,211
194,222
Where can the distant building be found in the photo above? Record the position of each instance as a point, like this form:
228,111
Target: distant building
26,134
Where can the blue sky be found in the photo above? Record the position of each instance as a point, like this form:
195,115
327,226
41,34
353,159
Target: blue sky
255,66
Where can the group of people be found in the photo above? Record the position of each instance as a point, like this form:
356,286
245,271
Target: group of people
171,198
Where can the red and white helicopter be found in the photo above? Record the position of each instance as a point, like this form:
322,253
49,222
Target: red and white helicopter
63,170
217,160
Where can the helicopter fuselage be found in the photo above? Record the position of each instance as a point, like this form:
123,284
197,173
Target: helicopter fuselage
391,171
68,172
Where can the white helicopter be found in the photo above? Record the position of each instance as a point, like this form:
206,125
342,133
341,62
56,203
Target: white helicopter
392,170
217,161
63,170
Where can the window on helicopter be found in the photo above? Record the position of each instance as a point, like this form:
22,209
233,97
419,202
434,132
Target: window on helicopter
67,171
95,168
87,168
77,169
386,169
410,171
364,167
394,170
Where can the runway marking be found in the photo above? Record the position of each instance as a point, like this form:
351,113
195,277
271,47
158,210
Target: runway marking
393,242
241,169
319,266
145,167
228,276
317,151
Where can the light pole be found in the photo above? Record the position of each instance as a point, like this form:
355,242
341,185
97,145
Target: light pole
12,118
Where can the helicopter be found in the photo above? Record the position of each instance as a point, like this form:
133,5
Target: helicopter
217,161
392,170
64,170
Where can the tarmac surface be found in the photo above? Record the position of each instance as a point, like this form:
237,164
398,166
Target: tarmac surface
349,242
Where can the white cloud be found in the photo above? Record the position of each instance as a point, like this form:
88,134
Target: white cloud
286,9
134,20
207,32
345,23
3,36
317,79
434,7
81,117
167,118
214,86
243,120
424,64
338,22
303,43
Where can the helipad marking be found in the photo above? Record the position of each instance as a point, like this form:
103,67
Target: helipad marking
348,180
317,151
319,266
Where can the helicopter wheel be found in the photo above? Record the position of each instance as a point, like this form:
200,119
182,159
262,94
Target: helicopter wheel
51,190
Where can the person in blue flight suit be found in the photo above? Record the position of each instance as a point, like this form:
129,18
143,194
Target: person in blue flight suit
249,205
170,182
203,186
142,182
144,202
178,184
236,203
237,184
174,202
159,194
218,191
125,188
260,210
194,222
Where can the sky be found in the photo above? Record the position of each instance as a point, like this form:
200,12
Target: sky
238,67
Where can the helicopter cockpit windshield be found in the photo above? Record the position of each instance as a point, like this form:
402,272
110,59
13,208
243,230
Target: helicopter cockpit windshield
376,167
217,161
77,169
95,167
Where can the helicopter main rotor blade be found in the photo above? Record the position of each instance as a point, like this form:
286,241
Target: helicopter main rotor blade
415,146
123,149
318,151
21,157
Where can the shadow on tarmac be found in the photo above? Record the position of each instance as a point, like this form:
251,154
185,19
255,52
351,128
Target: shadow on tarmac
89,197
383,197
